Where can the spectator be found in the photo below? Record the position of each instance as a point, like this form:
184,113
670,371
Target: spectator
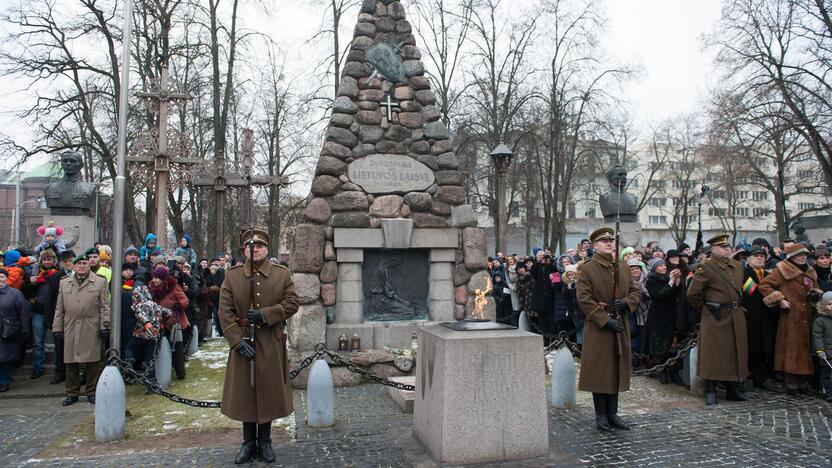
525,290
168,294
45,282
82,321
14,272
502,298
51,235
184,250
511,283
570,275
761,318
66,257
822,268
148,318
793,286
639,333
129,283
209,293
140,273
13,310
96,267
664,289
822,342
148,251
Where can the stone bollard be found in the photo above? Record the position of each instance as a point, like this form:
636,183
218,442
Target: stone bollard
164,364
523,322
321,395
110,406
563,379
695,381
193,346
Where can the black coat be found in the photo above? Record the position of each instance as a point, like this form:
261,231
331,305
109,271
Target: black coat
824,277
45,296
761,320
661,317
543,298
14,306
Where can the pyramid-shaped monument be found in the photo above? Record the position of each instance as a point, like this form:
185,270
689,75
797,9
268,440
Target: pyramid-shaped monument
387,243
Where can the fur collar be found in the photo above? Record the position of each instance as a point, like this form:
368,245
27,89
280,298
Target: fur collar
790,271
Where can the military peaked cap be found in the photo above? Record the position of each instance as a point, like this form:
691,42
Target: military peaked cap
602,233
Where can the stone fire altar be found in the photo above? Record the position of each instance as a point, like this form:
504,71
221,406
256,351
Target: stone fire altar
388,244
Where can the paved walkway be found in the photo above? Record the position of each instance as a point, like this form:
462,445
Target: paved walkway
768,430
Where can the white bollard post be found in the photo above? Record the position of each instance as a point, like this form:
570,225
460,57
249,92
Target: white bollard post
321,396
110,406
695,381
563,379
523,322
164,364
193,346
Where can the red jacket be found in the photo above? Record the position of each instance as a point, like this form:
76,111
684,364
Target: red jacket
176,300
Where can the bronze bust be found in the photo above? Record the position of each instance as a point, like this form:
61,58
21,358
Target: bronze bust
617,200
71,195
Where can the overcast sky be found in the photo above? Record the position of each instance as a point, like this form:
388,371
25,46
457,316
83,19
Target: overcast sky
663,37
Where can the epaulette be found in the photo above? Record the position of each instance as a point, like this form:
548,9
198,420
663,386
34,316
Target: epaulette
282,266
239,265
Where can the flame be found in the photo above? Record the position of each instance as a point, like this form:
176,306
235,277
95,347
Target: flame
480,301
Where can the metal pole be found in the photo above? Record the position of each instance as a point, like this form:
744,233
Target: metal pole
119,196
782,184
16,211
501,209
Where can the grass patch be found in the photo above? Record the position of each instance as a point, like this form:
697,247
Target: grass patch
154,418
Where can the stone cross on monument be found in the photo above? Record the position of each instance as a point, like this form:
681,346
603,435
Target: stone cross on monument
153,148
220,180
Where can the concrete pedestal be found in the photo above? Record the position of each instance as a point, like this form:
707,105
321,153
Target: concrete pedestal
630,234
480,395
79,231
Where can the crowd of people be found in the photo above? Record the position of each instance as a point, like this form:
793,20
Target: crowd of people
53,288
786,296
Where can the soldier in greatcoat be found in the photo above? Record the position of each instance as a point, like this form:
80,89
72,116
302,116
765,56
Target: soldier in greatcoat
716,291
605,359
274,302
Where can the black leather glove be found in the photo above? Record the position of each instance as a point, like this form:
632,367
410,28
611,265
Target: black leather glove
245,350
813,296
58,335
614,325
620,307
254,316
105,334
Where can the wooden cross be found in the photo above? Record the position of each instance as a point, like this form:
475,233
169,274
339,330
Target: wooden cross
159,101
392,107
219,180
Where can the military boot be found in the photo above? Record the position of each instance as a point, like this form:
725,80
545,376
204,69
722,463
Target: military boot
599,400
249,447
612,413
710,392
732,392
264,442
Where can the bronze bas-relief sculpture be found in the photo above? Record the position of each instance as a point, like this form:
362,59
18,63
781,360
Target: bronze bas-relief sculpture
71,195
617,200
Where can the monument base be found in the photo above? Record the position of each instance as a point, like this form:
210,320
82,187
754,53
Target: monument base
630,234
79,230
480,395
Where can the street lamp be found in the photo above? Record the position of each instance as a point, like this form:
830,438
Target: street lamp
501,157
17,216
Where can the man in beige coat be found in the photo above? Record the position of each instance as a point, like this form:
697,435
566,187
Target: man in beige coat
274,302
82,320
605,360
716,292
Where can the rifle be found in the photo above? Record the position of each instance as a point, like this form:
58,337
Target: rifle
618,335
251,282
699,243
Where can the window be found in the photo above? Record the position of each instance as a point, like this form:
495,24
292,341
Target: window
803,157
718,194
805,206
683,220
760,196
570,208
657,201
717,211
805,174
760,212
681,184
659,184
679,165
712,178
658,220
741,212
740,195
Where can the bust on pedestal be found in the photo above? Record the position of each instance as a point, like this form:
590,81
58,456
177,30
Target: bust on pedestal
70,202
618,202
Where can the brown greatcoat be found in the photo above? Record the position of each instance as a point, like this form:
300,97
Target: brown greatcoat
276,299
80,313
792,350
601,370
723,344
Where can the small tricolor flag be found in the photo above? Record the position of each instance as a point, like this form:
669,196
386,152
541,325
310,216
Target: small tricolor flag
749,287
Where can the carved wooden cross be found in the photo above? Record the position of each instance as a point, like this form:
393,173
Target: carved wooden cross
153,148
220,180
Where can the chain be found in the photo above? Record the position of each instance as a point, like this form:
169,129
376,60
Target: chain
690,342
563,339
367,374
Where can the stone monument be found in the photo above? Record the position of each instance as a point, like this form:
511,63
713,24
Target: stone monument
387,244
619,204
480,395
70,202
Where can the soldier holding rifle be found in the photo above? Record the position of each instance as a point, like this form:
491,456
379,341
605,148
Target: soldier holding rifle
606,298
256,299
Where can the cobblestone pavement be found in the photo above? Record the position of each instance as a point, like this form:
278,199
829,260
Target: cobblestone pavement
768,430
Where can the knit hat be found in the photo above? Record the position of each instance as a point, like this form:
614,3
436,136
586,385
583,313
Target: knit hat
48,254
655,263
796,249
11,258
827,296
683,246
569,268
131,249
671,253
633,262
159,259
103,255
627,251
160,272
130,266
66,255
